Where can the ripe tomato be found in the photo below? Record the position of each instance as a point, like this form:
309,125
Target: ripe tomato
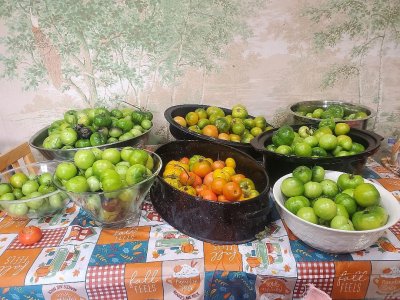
202,168
230,162
184,160
224,136
208,179
209,195
200,188
237,178
180,120
218,164
232,191
187,178
221,198
217,185
29,235
210,130
197,181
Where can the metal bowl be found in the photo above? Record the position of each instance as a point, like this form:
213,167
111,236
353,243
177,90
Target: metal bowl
278,165
349,108
211,221
182,133
36,142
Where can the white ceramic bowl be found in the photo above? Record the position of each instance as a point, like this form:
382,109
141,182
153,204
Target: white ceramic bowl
335,240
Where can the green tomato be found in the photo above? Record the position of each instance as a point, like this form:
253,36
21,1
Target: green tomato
345,142
89,172
126,136
84,159
284,150
53,141
111,181
77,184
329,188
302,173
97,153
45,178
125,124
82,143
317,113
136,132
146,124
7,196
347,201
239,111
18,209
136,173
112,155
328,141
307,214
94,183
366,194
342,223
318,174
5,188
56,201
17,180
97,139
349,181
319,152
46,189
137,117
291,187
302,149
18,193
99,166
37,203
93,204
68,136
341,210
29,187
312,189
66,170
293,204
115,132
370,218
357,148
325,208
138,156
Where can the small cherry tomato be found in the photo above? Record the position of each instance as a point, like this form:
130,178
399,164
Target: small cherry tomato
29,235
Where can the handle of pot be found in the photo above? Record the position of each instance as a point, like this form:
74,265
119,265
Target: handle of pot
255,143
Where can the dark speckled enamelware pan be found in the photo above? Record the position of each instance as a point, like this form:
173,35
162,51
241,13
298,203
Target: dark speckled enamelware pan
210,221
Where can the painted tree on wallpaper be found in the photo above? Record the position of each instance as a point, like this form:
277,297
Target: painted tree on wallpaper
372,25
104,50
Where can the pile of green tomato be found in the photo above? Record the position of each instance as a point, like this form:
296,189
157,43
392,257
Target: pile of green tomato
333,111
110,171
96,126
347,204
22,186
330,139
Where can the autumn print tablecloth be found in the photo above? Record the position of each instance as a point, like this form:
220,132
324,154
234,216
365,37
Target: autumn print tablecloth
77,260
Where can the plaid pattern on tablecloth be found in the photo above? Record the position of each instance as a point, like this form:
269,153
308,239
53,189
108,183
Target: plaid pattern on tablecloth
396,229
50,238
106,282
321,274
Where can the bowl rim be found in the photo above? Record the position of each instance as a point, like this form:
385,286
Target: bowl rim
169,118
72,150
154,174
26,166
390,223
265,190
332,101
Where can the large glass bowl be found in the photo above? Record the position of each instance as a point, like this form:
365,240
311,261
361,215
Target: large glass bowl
118,208
36,207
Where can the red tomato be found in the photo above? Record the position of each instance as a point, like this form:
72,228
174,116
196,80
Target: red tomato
232,191
209,195
29,235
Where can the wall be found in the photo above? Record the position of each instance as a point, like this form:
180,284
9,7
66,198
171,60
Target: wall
264,54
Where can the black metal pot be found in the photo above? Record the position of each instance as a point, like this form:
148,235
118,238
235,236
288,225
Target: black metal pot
278,165
211,221
182,133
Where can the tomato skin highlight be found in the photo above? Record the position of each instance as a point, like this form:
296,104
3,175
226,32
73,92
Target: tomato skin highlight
30,235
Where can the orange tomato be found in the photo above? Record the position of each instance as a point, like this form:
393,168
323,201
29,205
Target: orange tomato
184,160
209,195
208,179
237,178
187,178
197,181
200,188
221,198
217,185
210,130
202,167
218,164
232,191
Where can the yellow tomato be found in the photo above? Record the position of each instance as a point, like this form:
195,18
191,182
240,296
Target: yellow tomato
172,172
230,162
219,173
231,171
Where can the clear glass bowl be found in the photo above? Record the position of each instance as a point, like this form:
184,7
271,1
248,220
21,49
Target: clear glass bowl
118,208
36,207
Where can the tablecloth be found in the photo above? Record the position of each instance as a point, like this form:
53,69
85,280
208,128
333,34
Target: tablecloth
78,260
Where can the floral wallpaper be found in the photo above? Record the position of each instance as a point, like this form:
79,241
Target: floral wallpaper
58,55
